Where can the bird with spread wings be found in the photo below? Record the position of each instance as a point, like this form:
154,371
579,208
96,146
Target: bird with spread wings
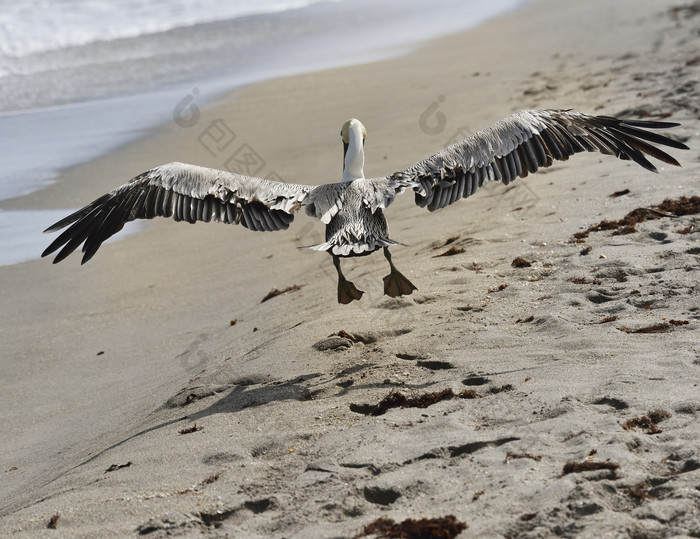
352,209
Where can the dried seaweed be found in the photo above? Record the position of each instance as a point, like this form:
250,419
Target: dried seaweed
640,492
498,288
345,335
512,456
520,263
396,399
189,430
208,481
648,421
620,193
277,292
583,280
588,465
627,225
53,522
679,322
451,251
446,527
468,394
661,327
115,467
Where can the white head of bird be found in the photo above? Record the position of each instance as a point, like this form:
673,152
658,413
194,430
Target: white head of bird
354,134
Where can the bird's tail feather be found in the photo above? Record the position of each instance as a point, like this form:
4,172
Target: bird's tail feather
355,248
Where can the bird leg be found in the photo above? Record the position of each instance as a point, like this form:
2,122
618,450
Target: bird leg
346,290
395,284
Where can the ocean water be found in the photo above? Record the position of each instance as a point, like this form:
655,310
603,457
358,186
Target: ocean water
34,26
78,78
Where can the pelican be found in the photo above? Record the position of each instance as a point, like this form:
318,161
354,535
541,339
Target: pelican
352,209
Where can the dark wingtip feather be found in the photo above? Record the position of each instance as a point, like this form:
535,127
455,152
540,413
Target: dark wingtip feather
645,163
63,253
671,161
55,244
88,255
649,124
73,217
63,222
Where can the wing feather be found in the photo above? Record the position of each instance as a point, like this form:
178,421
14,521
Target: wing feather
185,193
519,145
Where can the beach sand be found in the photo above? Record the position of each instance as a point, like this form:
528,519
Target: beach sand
107,367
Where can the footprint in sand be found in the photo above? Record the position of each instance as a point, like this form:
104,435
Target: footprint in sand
343,340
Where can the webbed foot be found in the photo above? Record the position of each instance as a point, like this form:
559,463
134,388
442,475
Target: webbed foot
347,292
395,284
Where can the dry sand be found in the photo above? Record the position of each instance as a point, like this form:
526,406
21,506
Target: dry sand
106,364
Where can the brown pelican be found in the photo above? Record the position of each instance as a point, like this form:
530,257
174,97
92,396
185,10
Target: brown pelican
352,209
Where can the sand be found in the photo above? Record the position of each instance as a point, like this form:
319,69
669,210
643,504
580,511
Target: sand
107,368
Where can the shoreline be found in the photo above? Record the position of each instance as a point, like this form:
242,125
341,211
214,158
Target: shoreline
76,133
104,361
214,85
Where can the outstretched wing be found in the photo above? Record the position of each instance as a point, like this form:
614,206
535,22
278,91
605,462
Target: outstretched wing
516,146
185,193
